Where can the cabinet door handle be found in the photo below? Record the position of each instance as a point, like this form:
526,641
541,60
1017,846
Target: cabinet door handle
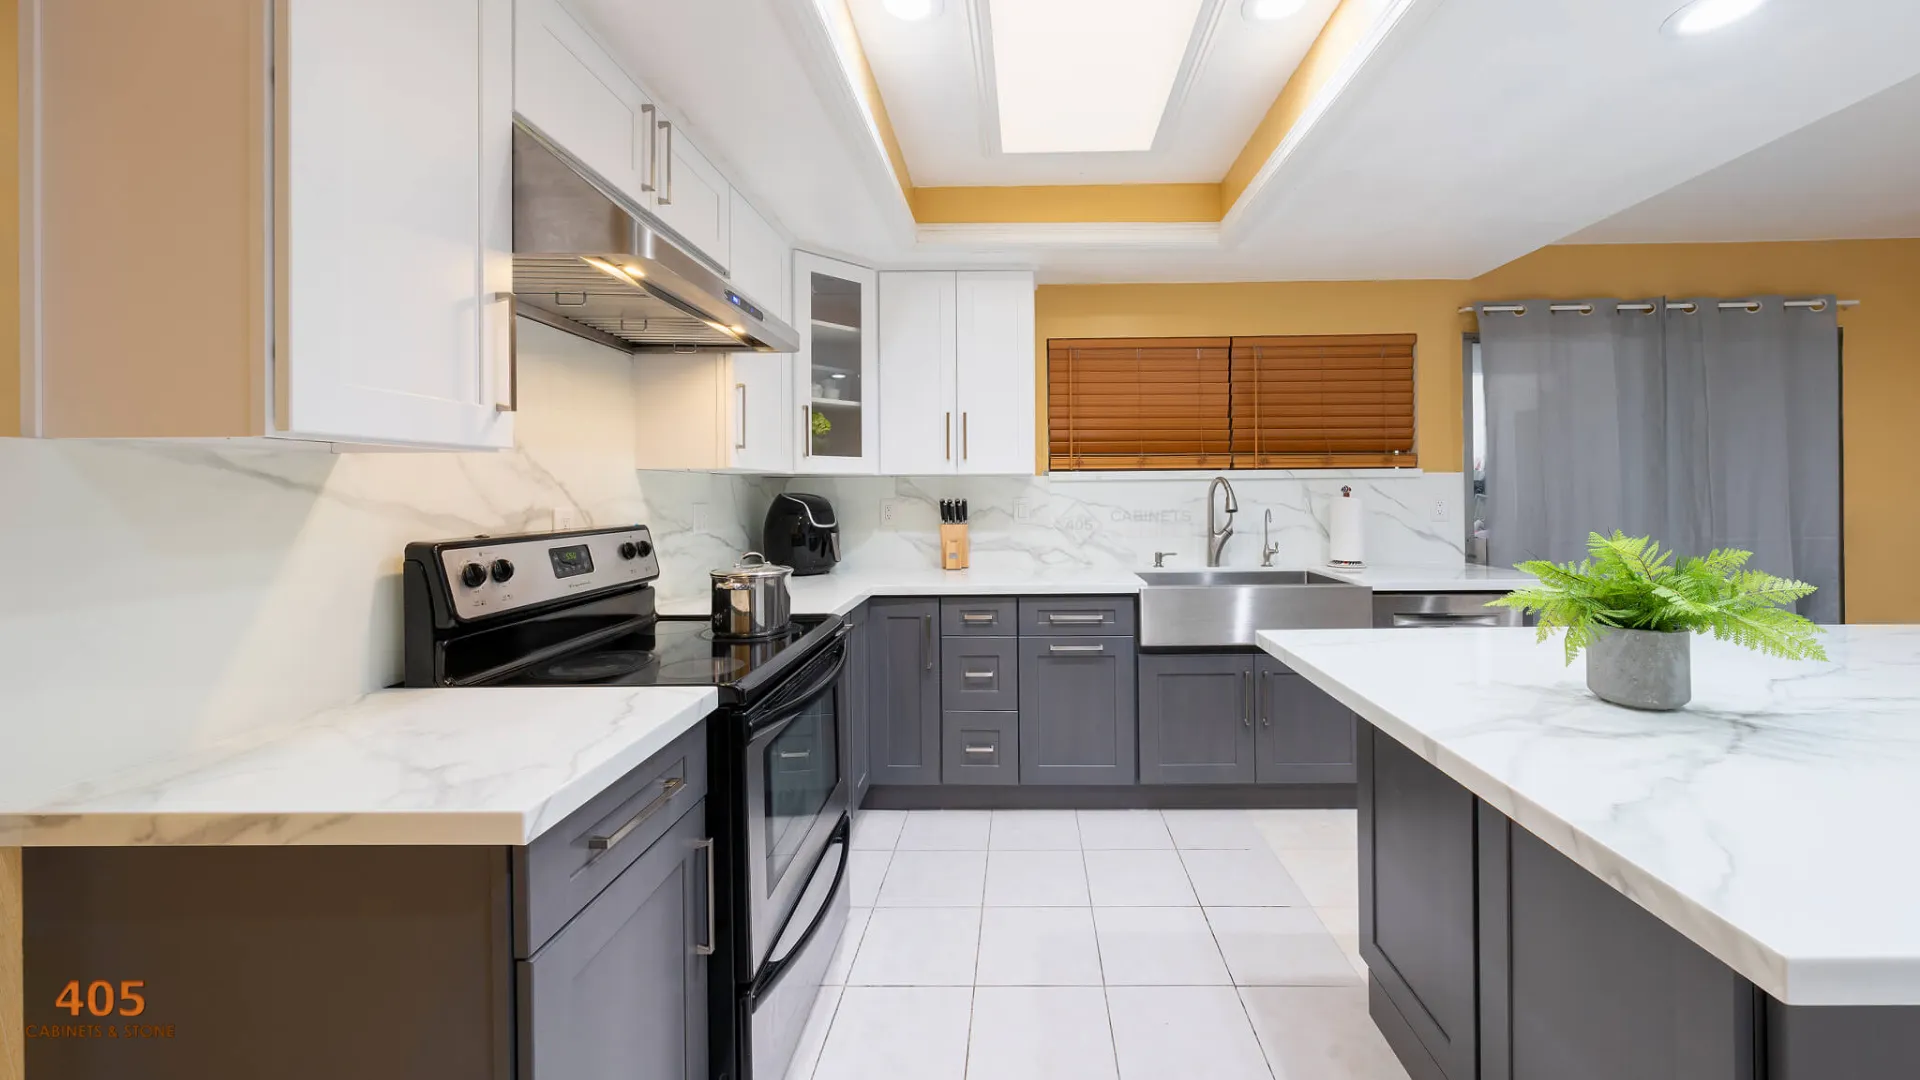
668,789
706,949
652,148
1077,648
666,194
1261,690
949,430
985,617
1057,618
963,436
505,336
806,429
741,443
1246,698
926,640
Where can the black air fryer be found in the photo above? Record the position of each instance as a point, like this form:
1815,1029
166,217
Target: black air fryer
802,533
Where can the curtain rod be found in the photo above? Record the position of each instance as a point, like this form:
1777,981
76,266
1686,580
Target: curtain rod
1647,309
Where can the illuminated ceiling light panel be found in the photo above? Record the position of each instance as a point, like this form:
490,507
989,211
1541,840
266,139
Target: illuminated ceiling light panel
1076,76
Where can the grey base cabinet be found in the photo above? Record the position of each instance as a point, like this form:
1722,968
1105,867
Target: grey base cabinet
1077,709
1492,956
1196,718
1417,908
622,991
903,691
1239,718
1303,735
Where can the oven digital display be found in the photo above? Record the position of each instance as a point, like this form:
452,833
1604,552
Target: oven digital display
569,561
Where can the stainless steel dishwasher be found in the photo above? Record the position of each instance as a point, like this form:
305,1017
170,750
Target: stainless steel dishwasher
1429,611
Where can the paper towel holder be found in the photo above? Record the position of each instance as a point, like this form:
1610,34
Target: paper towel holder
1348,555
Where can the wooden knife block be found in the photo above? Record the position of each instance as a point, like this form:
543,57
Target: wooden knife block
955,552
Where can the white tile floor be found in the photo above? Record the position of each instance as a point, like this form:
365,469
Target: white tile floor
1099,945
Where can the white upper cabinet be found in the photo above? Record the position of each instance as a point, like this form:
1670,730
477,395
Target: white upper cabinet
957,373
761,417
996,371
917,355
323,253
399,222
762,263
567,86
691,195
836,384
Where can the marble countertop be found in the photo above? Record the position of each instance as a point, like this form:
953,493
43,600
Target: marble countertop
844,589
1433,579
1771,821
496,765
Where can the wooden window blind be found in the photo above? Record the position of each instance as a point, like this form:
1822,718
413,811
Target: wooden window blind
1338,401
1139,403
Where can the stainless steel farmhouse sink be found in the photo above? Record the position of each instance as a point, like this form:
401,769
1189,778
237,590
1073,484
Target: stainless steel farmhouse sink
1220,608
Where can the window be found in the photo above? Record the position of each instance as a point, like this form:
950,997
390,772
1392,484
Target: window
1338,401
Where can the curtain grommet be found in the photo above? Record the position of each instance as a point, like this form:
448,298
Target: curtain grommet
1752,307
1586,309
1817,306
1688,308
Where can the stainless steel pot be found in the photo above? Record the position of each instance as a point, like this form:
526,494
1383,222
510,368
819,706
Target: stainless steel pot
751,599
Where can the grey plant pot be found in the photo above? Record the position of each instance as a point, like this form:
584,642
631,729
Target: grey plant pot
1641,669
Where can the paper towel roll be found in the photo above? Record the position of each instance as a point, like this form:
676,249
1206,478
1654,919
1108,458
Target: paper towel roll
1344,538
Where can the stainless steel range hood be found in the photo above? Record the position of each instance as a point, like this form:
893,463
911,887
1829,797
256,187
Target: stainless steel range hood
587,260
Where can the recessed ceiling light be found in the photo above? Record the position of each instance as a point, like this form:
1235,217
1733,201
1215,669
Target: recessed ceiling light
1270,10
1704,16
912,10
1086,76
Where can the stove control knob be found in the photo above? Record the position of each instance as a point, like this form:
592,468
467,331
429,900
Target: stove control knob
473,575
502,571
644,547
628,551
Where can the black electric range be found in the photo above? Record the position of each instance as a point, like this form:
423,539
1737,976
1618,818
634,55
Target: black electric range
579,609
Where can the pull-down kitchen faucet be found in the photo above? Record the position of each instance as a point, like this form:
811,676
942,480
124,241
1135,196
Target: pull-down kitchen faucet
1217,537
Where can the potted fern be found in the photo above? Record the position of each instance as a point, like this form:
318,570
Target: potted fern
1632,609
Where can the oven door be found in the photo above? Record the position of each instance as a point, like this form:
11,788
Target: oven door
794,792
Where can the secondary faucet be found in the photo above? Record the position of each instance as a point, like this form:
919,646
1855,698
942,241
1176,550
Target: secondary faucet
1268,549
1217,537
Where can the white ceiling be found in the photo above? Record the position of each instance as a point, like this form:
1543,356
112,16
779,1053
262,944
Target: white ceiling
1853,176
1477,131
936,78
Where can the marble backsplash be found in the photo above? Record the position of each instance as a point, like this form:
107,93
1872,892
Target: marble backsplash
161,595
1037,522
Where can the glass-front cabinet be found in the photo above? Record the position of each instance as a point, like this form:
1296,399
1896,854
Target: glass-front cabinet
835,384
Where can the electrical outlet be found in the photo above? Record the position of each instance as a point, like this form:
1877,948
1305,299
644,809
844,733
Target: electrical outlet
1439,509
567,517
891,511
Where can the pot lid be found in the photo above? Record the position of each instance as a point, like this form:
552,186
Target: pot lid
743,568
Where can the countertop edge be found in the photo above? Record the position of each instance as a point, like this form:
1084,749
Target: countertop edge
1819,981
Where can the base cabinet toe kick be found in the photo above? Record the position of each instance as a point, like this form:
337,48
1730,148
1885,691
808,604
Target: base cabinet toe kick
1491,956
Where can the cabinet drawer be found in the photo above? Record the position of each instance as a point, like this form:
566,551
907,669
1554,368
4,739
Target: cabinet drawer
1102,616
980,748
980,674
567,866
992,617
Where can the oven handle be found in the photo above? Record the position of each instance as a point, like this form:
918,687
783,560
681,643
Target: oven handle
771,972
782,708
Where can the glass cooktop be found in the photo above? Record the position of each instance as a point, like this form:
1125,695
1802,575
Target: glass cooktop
672,652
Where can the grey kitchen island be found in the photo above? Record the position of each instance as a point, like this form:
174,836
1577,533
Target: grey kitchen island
1553,888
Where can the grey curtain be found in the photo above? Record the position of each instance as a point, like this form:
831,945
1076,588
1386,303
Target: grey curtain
1718,428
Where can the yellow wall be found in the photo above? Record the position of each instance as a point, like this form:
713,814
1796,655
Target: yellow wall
1881,400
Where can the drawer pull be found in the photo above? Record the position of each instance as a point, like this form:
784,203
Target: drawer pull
979,674
1057,617
980,749
986,617
789,755
1077,648
668,789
